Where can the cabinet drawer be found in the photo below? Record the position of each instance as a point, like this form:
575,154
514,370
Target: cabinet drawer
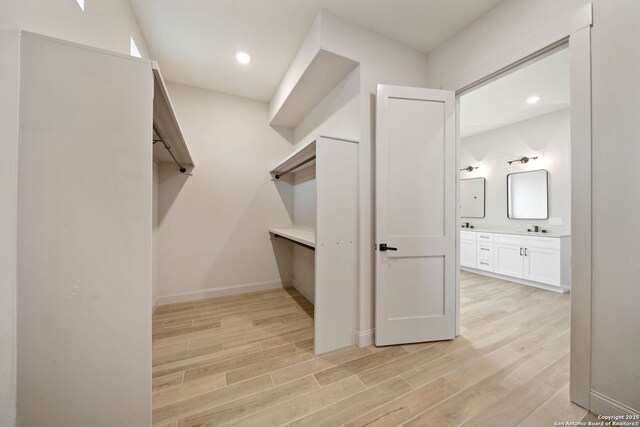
484,263
485,249
485,237
468,235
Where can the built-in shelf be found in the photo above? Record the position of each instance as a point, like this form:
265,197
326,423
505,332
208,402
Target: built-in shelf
165,119
304,237
298,157
323,74
325,199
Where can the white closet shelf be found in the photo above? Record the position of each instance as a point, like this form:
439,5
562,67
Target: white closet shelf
305,237
325,71
164,117
303,156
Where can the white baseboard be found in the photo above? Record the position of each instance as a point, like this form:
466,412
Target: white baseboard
560,290
364,338
241,288
308,294
603,405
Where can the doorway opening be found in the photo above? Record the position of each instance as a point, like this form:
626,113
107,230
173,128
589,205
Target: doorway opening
515,218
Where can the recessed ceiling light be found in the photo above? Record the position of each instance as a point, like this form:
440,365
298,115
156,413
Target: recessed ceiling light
533,99
243,57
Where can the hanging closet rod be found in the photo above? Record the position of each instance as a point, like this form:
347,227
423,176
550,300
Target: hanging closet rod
167,147
304,162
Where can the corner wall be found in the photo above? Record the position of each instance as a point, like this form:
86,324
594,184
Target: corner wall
615,373
213,226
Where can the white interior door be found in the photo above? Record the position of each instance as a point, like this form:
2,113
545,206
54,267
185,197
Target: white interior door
416,176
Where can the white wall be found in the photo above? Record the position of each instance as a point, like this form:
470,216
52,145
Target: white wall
349,111
213,225
547,136
104,24
615,372
155,235
9,48
304,216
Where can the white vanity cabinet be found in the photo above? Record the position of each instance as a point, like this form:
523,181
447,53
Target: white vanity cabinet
484,251
543,265
541,261
509,260
468,249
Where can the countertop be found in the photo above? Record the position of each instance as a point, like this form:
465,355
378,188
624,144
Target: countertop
549,233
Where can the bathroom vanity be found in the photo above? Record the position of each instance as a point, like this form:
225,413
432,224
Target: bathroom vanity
534,259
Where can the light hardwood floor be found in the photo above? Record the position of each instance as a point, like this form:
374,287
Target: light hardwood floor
247,360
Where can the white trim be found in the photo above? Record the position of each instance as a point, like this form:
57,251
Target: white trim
220,291
304,291
581,218
557,289
604,405
365,338
457,278
524,48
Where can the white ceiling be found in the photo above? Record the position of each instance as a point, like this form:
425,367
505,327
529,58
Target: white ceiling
195,41
503,101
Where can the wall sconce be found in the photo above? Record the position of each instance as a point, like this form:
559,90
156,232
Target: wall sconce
469,168
523,160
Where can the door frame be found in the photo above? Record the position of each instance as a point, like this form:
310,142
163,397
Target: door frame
573,30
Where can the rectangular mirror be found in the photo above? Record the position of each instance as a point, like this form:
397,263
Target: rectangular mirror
527,195
472,193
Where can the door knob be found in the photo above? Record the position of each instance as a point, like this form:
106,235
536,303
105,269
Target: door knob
384,248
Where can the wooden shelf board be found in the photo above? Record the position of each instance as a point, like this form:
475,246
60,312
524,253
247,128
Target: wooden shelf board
321,76
164,116
298,156
305,237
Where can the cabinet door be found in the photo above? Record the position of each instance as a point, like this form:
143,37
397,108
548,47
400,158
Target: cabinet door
468,253
508,260
542,265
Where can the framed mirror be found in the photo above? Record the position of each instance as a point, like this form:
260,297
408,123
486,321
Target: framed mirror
527,195
472,195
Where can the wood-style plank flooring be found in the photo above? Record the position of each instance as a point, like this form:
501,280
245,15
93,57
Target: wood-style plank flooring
247,360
